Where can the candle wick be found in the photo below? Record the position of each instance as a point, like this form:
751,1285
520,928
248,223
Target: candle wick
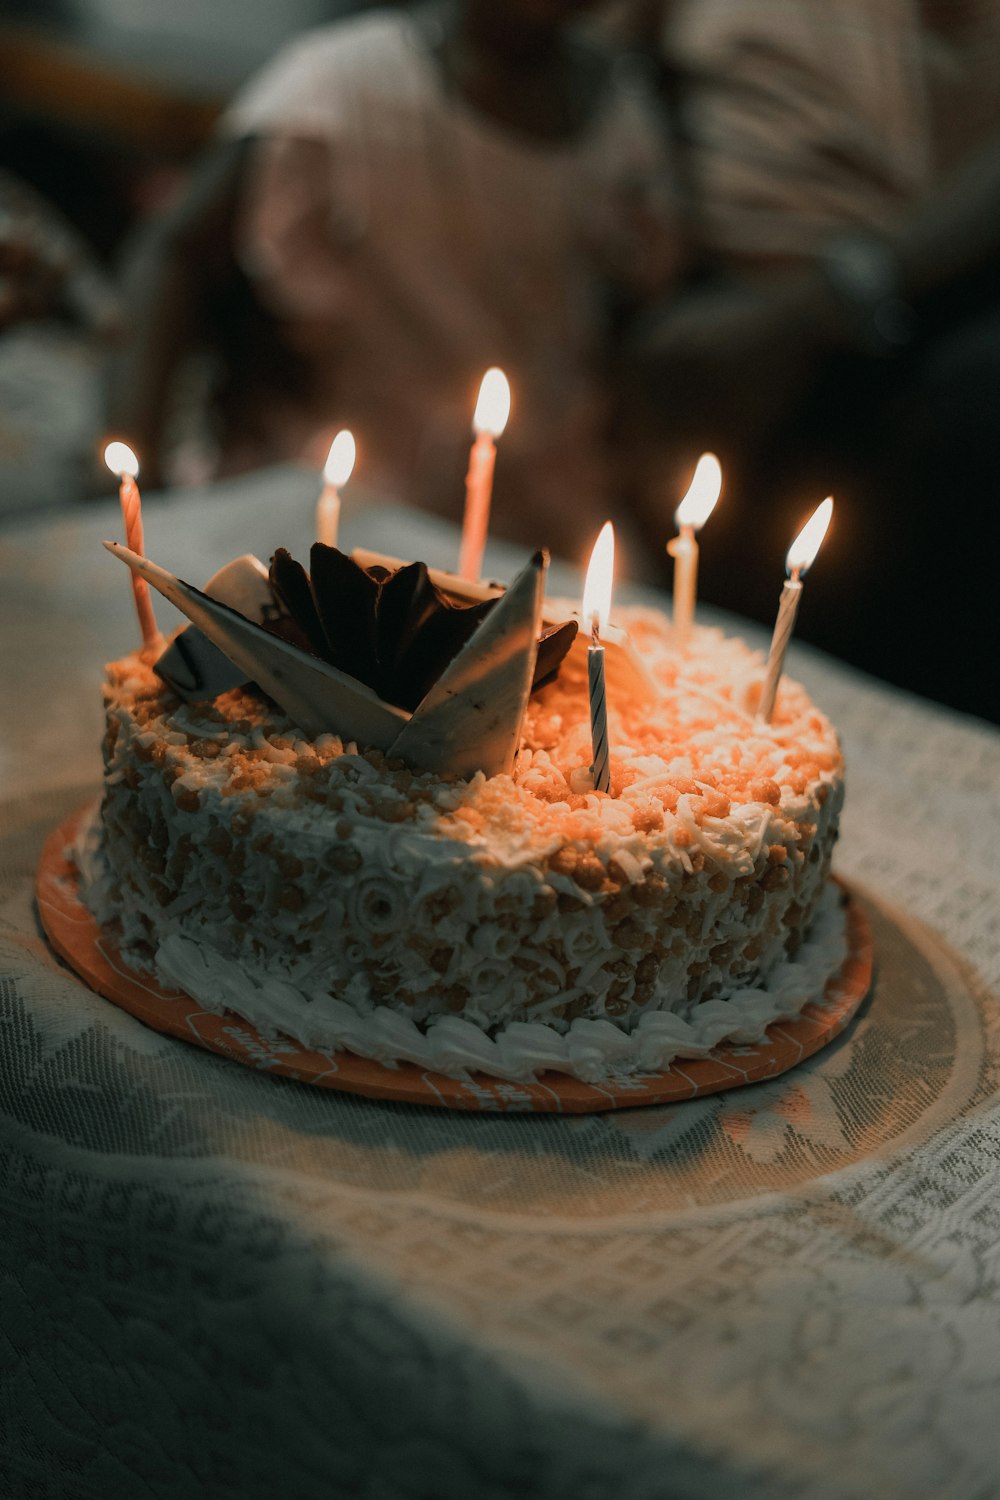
595,633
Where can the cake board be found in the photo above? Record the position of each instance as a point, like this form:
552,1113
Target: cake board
75,937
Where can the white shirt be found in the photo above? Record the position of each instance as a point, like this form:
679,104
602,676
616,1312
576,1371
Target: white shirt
409,243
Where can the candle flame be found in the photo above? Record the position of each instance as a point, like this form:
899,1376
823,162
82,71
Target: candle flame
703,493
493,406
121,460
597,588
802,552
339,464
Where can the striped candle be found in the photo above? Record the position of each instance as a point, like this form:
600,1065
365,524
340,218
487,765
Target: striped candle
601,764
596,609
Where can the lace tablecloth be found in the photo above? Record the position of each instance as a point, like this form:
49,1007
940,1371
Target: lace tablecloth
214,1282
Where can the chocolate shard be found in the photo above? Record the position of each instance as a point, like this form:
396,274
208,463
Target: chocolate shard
315,695
290,582
390,627
471,718
196,670
553,645
558,635
442,638
286,629
345,598
407,603
191,666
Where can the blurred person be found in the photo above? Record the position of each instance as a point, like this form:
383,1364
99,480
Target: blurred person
846,333
398,202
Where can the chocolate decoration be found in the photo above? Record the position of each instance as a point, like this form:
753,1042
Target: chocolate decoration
314,694
290,582
286,629
443,636
345,598
553,644
391,629
191,665
407,603
472,716
468,720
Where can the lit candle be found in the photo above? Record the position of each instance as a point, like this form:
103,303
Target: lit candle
489,421
122,461
801,555
596,609
690,516
337,471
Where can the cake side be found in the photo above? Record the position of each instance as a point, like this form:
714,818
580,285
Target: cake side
330,878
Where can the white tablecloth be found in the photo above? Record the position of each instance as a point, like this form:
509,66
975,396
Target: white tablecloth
214,1282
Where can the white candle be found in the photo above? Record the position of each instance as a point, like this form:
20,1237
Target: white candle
690,516
337,471
788,607
801,555
122,461
489,421
596,609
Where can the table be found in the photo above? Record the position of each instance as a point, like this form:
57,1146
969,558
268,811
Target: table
216,1282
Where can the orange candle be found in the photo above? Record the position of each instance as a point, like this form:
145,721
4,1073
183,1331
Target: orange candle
489,421
337,471
122,461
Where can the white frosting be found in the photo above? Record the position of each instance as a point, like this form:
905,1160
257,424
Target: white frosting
590,1050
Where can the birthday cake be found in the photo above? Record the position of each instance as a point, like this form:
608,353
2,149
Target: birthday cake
508,920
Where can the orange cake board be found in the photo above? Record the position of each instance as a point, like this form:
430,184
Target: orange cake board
76,937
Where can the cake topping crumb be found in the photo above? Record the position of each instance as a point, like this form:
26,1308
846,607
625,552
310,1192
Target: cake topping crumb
692,773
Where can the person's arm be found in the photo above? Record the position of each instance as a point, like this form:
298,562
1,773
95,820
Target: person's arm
944,242
955,234
167,285
735,355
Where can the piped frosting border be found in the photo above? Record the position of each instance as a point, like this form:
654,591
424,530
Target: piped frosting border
591,1050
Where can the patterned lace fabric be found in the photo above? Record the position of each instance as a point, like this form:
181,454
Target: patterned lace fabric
215,1282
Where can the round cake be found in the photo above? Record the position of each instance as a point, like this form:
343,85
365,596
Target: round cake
510,924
